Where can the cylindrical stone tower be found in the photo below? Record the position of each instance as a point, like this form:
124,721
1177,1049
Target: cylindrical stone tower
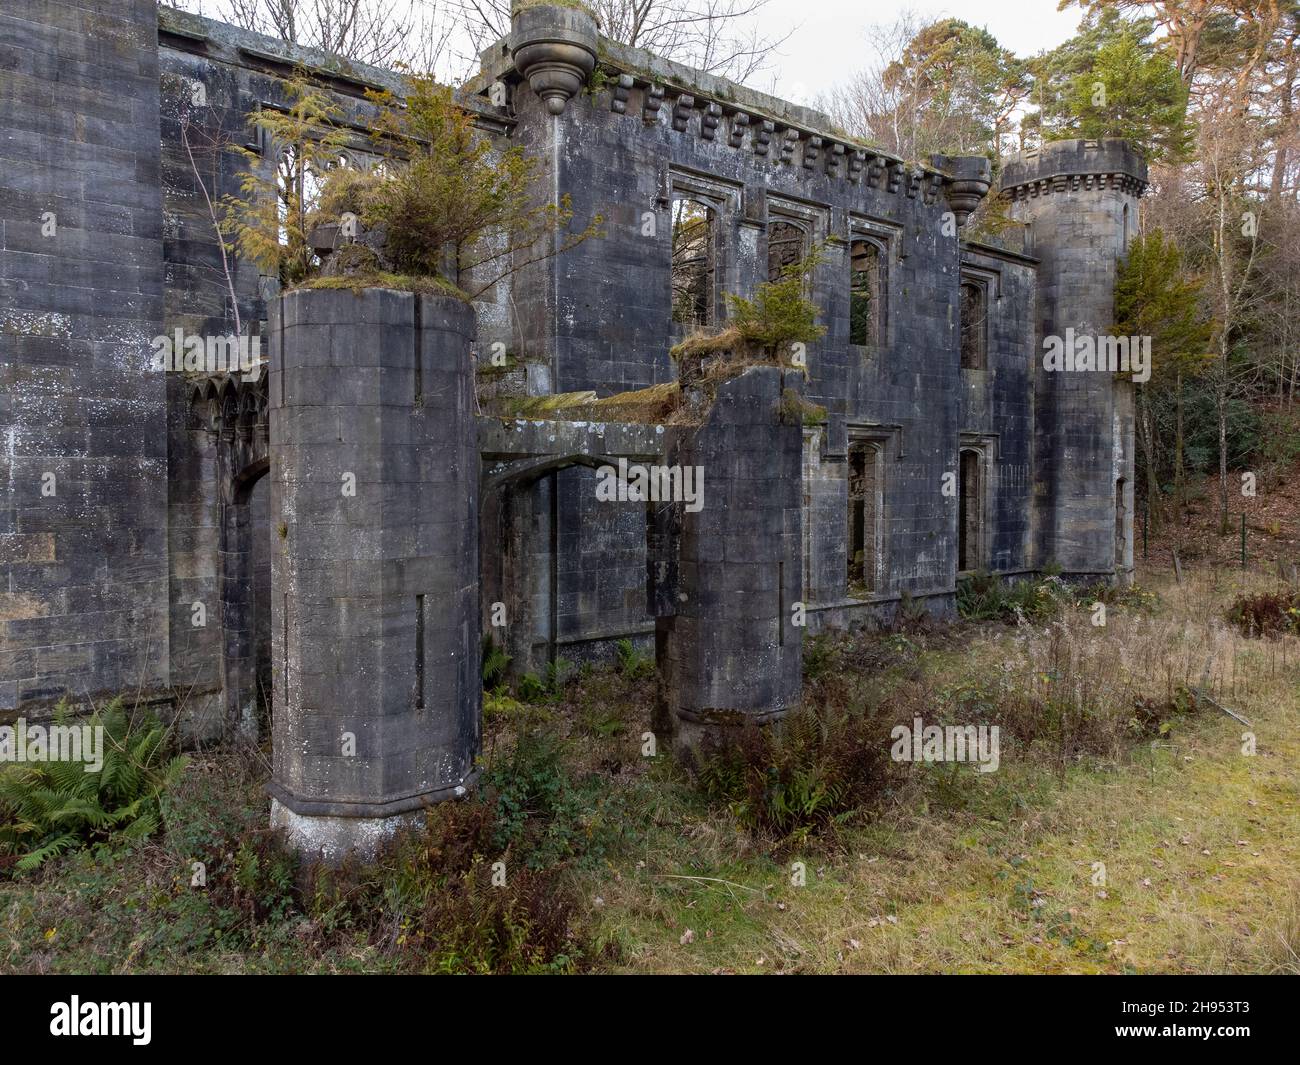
731,654
374,504
1080,200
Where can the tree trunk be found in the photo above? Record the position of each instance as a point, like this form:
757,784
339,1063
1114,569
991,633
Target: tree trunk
1180,499
1221,401
1147,439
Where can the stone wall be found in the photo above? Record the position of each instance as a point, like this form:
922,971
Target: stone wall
83,416
730,643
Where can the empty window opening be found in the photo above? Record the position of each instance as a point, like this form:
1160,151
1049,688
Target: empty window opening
1125,244
787,247
970,512
864,532
694,269
866,295
974,329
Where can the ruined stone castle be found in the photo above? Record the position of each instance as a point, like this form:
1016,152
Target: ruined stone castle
180,538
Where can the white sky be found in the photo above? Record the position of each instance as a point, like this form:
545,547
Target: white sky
829,45
829,41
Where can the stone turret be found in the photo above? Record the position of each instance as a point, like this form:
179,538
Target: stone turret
1080,200
374,496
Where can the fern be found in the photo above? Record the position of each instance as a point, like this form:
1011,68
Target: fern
633,664
48,808
495,664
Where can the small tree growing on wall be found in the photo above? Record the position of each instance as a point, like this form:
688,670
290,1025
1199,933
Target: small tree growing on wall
272,217
768,328
453,204
443,204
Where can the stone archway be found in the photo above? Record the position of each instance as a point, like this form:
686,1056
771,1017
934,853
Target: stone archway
233,409
239,601
520,550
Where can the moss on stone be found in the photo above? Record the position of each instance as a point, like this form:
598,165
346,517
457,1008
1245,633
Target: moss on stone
646,406
573,5
358,283
796,410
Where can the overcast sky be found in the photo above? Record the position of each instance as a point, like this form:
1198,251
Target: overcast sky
829,41
829,44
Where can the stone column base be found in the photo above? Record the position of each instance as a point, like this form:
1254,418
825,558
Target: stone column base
331,839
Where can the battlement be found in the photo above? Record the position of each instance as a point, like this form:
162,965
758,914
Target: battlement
1074,164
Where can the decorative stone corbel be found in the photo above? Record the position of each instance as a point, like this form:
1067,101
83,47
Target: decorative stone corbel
554,49
969,180
739,124
622,92
654,99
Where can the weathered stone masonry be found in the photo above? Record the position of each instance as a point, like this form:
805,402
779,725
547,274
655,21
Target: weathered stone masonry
944,445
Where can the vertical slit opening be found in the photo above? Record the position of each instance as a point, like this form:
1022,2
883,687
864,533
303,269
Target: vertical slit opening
418,317
780,603
419,652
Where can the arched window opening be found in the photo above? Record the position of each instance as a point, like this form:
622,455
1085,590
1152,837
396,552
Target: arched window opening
866,294
694,266
865,531
974,326
970,518
300,189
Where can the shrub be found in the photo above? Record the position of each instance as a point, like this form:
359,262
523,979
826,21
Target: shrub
1266,614
985,596
540,812
547,689
766,328
495,663
806,777
446,202
821,655
633,664
429,902
47,808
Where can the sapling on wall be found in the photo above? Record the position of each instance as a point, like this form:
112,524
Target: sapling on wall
444,204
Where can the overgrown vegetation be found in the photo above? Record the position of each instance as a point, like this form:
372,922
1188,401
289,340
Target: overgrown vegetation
580,851
815,773
985,596
1267,613
767,329
988,597
445,209
50,807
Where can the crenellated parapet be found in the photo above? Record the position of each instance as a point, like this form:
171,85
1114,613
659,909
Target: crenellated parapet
1073,165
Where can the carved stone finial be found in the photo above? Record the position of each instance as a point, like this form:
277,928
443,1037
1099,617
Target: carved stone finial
554,47
969,179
